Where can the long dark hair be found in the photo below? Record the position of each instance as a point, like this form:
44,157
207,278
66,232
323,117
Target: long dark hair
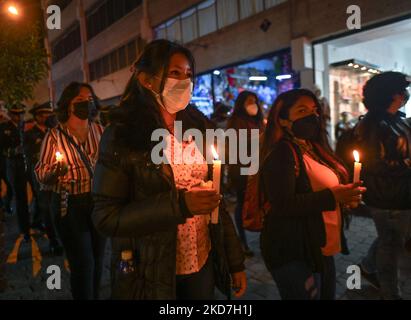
154,59
138,106
69,93
274,132
240,111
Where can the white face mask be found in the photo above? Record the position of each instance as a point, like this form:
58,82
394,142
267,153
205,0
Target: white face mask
252,109
176,94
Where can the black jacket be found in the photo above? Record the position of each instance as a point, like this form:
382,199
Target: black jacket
10,140
384,143
139,208
293,228
33,139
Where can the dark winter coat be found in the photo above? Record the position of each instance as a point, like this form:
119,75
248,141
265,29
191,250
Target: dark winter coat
138,206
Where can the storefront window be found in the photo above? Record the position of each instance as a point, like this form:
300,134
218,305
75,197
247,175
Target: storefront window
174,30
207,18
161,32
227,12
189,25
346,91
202,95
343,66
250,7
272,3
266,77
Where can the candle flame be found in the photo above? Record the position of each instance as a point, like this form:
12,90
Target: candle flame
356,156
215,154
59,156
13,10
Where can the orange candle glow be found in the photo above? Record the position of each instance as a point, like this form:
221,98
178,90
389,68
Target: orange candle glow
216,181
59,156
357,166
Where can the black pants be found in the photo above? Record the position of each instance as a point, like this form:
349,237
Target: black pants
16,172
84,247
36,206
6,202
197,286
238,213
328,279
296,281
42,210
2,253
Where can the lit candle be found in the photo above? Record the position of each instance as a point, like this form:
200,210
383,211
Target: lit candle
216,182
357,166
59,157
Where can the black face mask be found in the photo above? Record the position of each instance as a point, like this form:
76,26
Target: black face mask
82,110
306,128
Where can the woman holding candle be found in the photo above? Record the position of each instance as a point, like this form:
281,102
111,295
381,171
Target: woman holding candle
247,115
67,159
161,212
306,187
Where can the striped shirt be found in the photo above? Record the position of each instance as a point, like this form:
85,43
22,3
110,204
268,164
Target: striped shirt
77,180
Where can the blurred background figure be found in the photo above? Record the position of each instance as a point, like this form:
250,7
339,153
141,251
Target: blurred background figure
6,194
343,125
3,281
325,107
221,115
12,148
42,217
247,115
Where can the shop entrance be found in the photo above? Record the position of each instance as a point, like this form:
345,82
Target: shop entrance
343,65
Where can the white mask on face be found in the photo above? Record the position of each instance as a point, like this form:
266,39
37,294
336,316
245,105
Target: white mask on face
176,94
252,109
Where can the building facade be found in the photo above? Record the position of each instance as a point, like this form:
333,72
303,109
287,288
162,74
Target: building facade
263,45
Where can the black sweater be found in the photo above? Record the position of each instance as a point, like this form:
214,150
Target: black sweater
293,228
385,146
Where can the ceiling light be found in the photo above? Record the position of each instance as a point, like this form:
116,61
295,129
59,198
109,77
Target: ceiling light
283,77
258,78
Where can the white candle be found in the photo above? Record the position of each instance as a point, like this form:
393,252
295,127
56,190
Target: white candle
216,182
357,166
59,156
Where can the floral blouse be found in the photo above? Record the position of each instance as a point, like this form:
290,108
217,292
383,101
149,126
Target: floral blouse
193,239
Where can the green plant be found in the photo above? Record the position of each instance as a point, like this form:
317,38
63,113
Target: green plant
23,60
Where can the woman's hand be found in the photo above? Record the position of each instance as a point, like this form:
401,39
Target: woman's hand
239,283
59,169
201,201
349,193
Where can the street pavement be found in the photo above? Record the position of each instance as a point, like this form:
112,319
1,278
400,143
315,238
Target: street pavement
27,263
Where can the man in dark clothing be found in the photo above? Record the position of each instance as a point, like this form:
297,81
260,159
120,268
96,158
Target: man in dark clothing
384,139
6,202
12,148
33,139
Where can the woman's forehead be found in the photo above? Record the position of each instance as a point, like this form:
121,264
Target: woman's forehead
305,102
84,91
180,61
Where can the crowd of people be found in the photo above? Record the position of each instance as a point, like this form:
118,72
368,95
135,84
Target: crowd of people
93,180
